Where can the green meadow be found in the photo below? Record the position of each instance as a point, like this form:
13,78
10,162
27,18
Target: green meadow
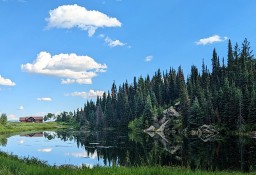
12,165
17,127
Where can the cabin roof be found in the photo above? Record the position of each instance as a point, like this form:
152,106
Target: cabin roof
35,117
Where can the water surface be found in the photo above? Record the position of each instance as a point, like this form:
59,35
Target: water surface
128,149
50,147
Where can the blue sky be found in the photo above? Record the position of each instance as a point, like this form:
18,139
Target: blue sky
56,54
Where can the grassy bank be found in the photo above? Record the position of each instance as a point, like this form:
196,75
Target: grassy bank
13,127
11,165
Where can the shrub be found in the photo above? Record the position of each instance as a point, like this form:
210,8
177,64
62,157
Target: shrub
3,119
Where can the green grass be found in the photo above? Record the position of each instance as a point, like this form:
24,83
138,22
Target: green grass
15,127
12,165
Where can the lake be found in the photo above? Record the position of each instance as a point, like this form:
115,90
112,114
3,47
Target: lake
127,149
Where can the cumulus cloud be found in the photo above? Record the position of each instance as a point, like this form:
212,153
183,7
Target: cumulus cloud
149,58
21,108
110,42
44,99
113,43
71,67
90,94
6,82
71,16
211,40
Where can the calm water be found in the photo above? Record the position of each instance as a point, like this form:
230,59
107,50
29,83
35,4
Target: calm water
126,149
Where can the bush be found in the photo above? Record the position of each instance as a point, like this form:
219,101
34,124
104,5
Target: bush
3,119
136,124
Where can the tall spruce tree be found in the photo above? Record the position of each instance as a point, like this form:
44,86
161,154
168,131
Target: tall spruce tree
252,109
195,117
148,112
184,98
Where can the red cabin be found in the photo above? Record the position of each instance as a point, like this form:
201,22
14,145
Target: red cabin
34,119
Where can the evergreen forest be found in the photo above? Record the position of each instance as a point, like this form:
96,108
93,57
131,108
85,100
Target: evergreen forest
222,95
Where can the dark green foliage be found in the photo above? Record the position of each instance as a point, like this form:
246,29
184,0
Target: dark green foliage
223,96
49,116
3,119
148,112
252,109
184,98
195,118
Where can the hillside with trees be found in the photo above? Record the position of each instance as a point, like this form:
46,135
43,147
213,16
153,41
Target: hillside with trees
224,95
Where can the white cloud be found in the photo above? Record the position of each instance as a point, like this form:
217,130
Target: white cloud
77,154
21,108
90,94
113,43
12,117
71,67
101,35
211,40
45,150
149,58
6,82
70,16
21,141
82,154
79,81
44,99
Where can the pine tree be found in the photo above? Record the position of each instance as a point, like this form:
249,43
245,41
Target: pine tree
245,103
173,91
148,112
252,109
226,113
184,98
104,102
195,118
114,101
99,117
215,70
240,120
231,63
158,87
109,112
230,55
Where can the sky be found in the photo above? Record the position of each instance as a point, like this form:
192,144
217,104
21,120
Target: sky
57,54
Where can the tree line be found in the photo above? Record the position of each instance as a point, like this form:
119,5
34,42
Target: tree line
223,96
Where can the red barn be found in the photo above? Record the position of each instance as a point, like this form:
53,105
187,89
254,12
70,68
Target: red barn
36,119
38,134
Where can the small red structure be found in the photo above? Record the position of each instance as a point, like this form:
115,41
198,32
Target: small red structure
38,134
35,119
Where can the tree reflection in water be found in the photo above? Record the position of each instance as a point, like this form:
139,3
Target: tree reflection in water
129,149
